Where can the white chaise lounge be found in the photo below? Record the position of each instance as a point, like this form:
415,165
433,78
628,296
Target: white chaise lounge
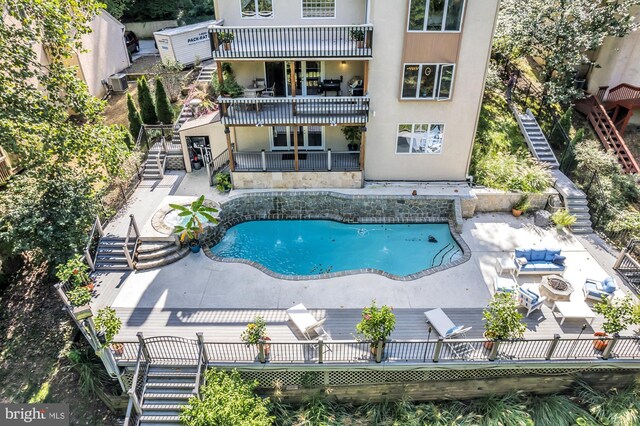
448,330
306,323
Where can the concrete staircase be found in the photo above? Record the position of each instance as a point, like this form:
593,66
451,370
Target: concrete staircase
206,74
110,255
151,170
537,142
152,254
166,391
575,201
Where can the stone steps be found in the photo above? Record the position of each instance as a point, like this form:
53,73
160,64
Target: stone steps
151,259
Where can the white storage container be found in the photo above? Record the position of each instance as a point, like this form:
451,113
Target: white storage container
185,44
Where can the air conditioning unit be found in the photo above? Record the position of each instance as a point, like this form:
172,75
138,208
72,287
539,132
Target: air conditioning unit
119,82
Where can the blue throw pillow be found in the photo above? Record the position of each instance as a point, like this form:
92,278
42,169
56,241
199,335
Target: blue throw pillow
537,255
551,254
523,253
558,259
453,330
609,285
530,295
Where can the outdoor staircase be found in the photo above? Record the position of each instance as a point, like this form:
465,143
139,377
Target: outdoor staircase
536,140
206,74
167,389
575,202
156,156
152,254
110,254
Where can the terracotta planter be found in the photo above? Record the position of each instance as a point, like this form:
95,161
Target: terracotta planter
227,46
516,213
117,348
90,286
600,344
267,346
360,44
488,345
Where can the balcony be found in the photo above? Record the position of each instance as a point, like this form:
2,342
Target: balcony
308,161
327,41
327,111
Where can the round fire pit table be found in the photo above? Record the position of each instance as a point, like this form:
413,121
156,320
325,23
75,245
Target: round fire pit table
555,288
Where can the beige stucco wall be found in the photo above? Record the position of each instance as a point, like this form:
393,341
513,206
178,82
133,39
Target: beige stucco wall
460,114
289,12
295,180
217,140
105,52
257,138
619,60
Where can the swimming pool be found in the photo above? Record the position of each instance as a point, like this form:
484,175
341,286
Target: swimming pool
316,247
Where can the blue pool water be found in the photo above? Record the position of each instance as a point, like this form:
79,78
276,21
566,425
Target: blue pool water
312,247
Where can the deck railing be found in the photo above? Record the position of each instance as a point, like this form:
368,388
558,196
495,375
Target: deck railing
329,110
278,161
91,248
557,349
313,41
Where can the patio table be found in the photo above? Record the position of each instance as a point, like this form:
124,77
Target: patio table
573,310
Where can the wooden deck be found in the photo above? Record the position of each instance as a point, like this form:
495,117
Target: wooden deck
219,325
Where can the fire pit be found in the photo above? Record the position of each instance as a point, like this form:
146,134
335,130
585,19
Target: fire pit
555,288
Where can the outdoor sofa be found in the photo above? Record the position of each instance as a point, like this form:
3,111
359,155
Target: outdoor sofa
539,261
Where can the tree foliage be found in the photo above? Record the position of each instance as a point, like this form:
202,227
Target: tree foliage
163,106
226,400
135,121
117,7
561,33
145,100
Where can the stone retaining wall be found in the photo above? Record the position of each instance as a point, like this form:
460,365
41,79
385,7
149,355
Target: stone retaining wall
175,162
492,200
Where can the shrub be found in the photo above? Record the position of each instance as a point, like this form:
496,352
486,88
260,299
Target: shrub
90,369
79,296
502,319
163,106
522,204
255,332
226,400
618,314
74,270
509,172
619,407
145,100
223,182
107,322
562,218
135,121
377,322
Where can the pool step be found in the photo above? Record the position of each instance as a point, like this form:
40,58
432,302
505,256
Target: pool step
161,257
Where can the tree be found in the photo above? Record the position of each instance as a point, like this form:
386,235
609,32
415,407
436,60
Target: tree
561,33
117,7
170,72
147,108
163,106
226,399
135,121
155,10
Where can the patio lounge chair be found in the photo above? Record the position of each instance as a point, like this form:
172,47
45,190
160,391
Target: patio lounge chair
597,290
306,323
529,297
448,330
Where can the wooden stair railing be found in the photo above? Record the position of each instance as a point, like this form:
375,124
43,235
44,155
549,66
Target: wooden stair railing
620,102
623,92
610,137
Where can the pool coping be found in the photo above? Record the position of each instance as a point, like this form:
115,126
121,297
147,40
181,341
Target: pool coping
158,223
466,255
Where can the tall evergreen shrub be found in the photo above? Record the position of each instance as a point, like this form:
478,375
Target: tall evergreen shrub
163,106
145,100
135,121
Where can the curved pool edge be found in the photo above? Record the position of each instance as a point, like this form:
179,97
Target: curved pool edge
466,255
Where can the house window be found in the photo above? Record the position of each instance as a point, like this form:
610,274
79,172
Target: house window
256,8
420,138
318,8
435,15
427,81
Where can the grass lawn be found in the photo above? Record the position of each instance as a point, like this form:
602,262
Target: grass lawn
35,335
497,127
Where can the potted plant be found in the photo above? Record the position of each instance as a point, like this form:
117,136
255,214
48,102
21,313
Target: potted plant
358,35
194,213
256,333
226,39
376,325
562,219
353,135
502,319
223,182
107,325
618,315
79,296
76,272
521,206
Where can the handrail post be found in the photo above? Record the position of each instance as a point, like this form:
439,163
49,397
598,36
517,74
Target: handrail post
127,255
261,355
159,165
436,352
99,226
135,225
329,159
264,160
89,260
494,350
145,350
379,349
606,354
320,350
202,345
552,347
134,398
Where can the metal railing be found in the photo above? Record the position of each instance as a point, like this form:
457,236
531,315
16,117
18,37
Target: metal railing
288,42
330,110
136,392
91,249
555,349
132,232
5,170
275,161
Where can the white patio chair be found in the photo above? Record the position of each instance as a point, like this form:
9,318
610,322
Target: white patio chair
306,323
530,298
448,330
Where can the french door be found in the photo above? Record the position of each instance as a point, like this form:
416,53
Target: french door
308,75
309,138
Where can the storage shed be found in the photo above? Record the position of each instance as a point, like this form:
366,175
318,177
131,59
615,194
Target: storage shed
185,44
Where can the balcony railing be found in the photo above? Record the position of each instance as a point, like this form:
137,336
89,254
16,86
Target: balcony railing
435,351
279,161
326,41
296,110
